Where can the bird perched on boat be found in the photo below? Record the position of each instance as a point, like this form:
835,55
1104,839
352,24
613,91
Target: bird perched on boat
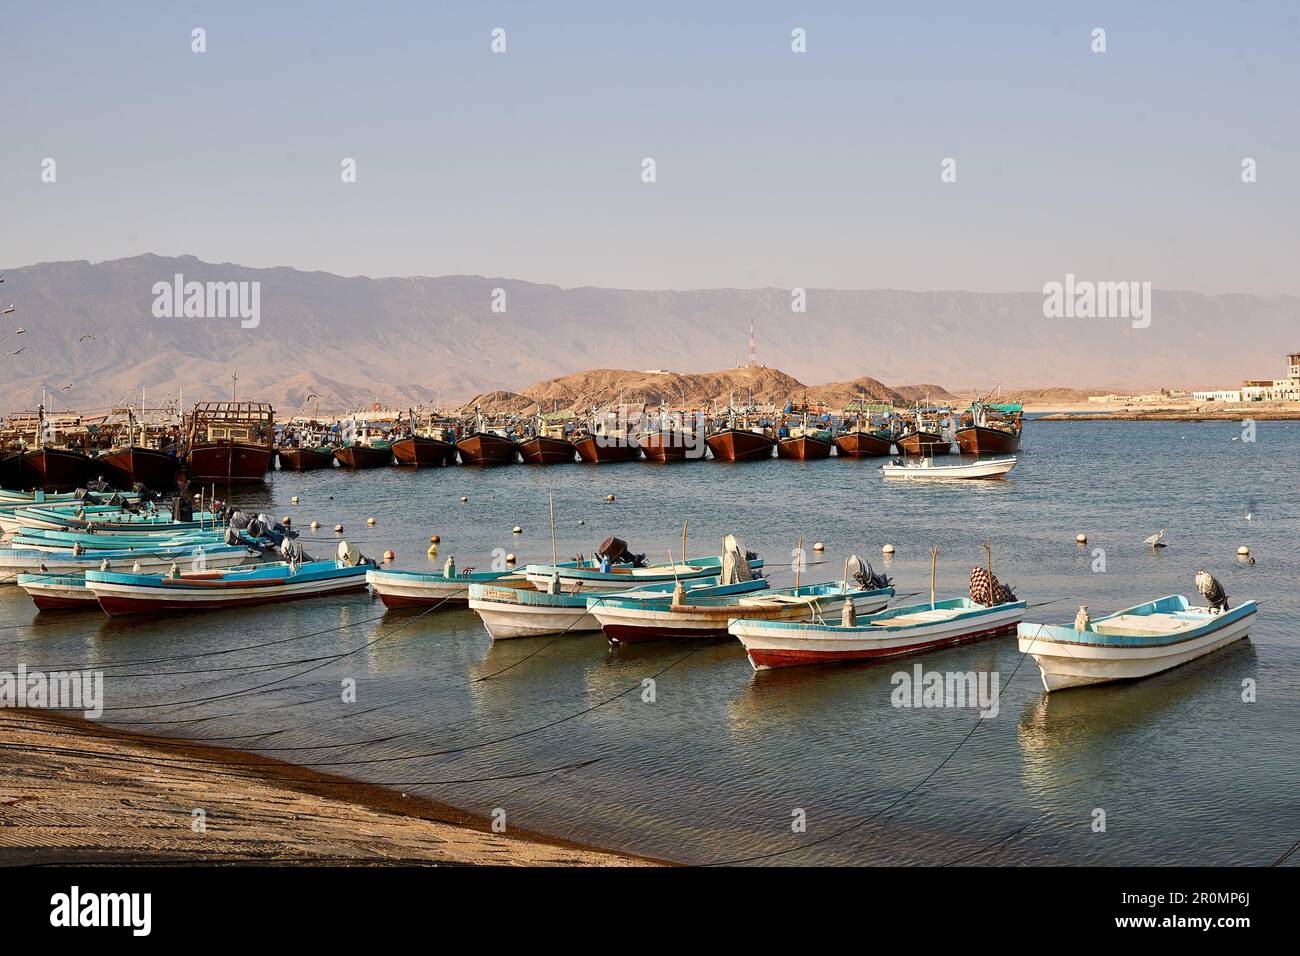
1212,590
1154,541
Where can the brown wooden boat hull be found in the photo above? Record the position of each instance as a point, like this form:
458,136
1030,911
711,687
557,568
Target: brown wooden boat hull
487,450
863,445
51,469
544,450
976,440
424,452
363,456
602,450
923,443
735,444
672,446
151,467
304,459
228,463
803,448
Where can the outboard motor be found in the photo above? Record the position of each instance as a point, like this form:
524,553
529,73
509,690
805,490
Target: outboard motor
615,551
735,561
986,589
1213,591
861,572
182,509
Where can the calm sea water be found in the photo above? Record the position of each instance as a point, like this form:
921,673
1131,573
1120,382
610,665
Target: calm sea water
557,733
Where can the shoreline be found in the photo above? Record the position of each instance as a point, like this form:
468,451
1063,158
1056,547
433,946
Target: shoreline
75,792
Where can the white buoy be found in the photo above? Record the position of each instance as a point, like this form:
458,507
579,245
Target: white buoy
510,558
338,529
389,555
517,530
887,549
435,539
286,521
370,521
463,499
315,525
293,500
1243,551
1081,538
609,497
819,546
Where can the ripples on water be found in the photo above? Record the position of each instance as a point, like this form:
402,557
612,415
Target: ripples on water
556,732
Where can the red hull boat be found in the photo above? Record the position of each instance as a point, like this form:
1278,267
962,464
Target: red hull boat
151,467
486,449
424,452
863,445
364,456
304,459
543,450
803,448
229,462
735,444
672,446
977,440
923,443
52,469
605,449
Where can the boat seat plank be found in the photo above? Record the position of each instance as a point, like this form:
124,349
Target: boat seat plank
1146,623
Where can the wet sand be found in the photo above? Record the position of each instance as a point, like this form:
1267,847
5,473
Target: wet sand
75,792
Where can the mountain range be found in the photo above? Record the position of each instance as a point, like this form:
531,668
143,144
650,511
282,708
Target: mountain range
93,337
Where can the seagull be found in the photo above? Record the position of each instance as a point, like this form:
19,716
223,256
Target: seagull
10,309
18,351
86,336
1154,540
68,388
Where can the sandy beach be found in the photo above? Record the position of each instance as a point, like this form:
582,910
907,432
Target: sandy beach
74,792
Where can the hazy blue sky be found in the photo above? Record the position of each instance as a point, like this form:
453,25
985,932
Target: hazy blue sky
774,168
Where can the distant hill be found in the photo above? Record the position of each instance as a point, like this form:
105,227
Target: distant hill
602,387
357,340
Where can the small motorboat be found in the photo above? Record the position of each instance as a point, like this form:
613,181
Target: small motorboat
59,592
904,630
925,469
271,583
425,588
525,612
1136,642
205,555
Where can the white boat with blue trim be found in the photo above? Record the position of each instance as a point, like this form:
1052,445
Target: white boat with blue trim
925,469
903,630
1136,642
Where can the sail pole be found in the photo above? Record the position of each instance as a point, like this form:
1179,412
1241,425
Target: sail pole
934,563
554,558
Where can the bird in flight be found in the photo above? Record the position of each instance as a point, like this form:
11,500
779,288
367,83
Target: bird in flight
18,351
86,336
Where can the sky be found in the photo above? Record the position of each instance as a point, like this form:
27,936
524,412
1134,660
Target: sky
819,169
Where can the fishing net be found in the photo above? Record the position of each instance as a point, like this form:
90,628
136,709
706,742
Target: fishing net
986,589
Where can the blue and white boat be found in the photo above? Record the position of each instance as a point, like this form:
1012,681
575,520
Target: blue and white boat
188,556
902,630
59,592
525,612
1136,642
587,577
398,589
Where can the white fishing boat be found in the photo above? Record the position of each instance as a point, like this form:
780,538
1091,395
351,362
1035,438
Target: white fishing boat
1136,642
926,469
15,561
526,612
620,577
398,589
59,592
904,630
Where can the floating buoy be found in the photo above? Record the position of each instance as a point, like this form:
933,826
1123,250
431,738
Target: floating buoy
517,530
388,555
887,549
463,499
370,521
433,550
338,529
434,539
1081,538
1243,551
582,521
819,546
315,525
293,500
510,558
286,520
609,497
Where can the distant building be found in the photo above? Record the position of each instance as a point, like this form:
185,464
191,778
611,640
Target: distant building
1230,397
1262,390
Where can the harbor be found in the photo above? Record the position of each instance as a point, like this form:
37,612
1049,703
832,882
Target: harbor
557,729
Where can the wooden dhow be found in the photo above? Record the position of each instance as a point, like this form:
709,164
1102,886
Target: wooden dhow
230,442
